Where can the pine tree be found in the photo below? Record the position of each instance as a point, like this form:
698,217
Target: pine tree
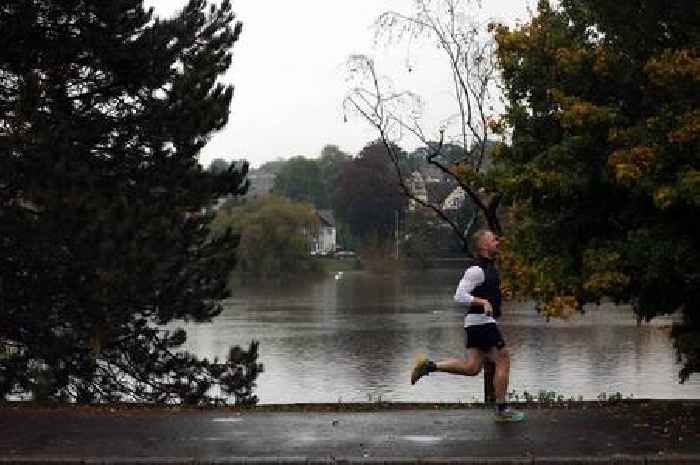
104,108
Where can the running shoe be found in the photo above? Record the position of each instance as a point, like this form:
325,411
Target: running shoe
509,416
420,368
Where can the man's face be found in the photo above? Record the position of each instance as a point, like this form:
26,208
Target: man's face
489,243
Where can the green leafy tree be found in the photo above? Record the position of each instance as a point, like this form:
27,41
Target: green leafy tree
331,164
275,235
420,236
603,169
274,166
300,179
366,197
104,109
218,165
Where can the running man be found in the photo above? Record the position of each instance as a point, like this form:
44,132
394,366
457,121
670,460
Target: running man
479,289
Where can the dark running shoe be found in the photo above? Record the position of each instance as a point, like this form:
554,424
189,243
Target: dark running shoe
421,367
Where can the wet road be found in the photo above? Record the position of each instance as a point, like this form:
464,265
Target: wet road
585,430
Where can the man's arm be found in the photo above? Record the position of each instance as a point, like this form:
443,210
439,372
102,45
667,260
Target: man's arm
472,278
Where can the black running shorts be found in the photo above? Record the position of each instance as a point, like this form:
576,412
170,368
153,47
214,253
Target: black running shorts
483,337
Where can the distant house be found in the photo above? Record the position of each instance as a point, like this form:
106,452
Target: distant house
323,243
429,187
416,185
432,174
455,200
429,183
261,183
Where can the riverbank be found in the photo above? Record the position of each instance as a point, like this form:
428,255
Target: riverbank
333,265
376,406
639,431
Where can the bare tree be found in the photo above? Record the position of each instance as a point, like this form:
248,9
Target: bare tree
469,49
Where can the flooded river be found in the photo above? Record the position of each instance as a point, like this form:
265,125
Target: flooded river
351,338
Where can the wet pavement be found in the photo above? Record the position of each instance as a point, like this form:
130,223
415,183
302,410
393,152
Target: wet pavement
645,431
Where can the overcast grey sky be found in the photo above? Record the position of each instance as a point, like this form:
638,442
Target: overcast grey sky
289,76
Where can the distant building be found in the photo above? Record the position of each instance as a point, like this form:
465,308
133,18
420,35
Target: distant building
416,185
324,242
455,200
261,183
429,186
429,183
432,174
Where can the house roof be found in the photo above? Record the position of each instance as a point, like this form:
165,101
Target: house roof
438,192
326,217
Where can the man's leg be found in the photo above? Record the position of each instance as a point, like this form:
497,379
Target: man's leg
501,358
469,366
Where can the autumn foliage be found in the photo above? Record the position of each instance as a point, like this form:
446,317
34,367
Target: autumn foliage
603,172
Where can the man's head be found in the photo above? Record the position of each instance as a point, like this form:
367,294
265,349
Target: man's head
485,243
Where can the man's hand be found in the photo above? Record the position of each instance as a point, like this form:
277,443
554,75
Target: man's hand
488,309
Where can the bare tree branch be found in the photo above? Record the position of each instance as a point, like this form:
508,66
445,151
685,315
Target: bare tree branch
391,113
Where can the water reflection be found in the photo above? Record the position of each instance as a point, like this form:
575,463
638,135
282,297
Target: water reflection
352,339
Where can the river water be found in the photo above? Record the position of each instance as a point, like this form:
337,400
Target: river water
352,339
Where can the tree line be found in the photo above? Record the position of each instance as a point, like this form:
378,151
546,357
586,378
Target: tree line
363,192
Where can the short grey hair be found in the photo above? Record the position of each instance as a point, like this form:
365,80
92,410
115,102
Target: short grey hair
477,237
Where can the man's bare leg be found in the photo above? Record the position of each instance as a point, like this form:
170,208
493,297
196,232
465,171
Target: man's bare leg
501,358
469,366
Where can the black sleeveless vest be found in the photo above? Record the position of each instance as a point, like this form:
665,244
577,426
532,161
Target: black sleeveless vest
490,289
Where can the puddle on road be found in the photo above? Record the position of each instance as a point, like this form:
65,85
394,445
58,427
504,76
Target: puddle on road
420,439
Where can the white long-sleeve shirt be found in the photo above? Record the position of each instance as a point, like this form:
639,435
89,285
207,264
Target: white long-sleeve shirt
473,276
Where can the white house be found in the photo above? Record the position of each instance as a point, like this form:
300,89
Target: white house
455,200
323,242
416,184
261,184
